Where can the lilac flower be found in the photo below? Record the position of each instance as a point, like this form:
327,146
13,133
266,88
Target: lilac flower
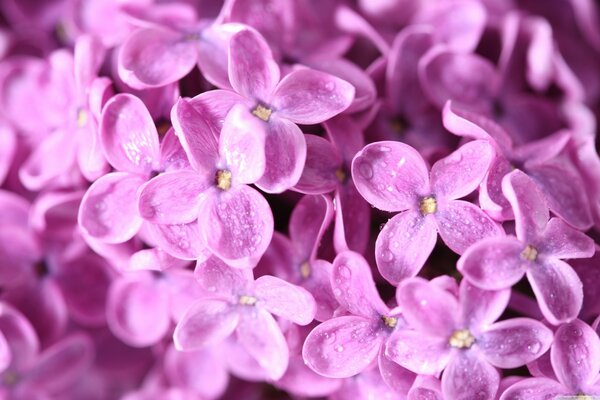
238,303
393,177
235,221
347,345
537,250
461,338
575,356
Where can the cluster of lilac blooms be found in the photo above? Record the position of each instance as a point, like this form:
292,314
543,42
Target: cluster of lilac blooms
241,199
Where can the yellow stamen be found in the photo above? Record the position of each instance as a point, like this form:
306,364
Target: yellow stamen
262,112
390,322
462,339
82,118
223,179
341,175
305,270
247,300
10,378
530,253
583,396
428,205
397,125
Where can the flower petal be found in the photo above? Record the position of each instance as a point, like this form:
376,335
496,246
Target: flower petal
427,307
491,198
354,288
8,147
128,135
468,373
260,335
20,335
493,263
352,219
253,72
306,96
462,224
173,197
309,220
319,285
285,151
558,290
461,172
322,163
515,342
534,389
396,377
342,347
183,241
300,380
575,355
404,244
418,352
108,209
237,225
213,49
5,353
562,241
479,307
217,277
390,175
206,322
285,300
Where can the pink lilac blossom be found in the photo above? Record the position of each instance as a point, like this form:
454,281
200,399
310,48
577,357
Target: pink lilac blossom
241,199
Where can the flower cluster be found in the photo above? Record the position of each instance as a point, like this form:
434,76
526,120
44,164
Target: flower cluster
241,199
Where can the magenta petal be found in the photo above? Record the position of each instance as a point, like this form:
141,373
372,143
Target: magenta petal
396,377
260,335
8,147
478,307
172,197
514,342
426,388
558,290
108,210
462,224
534,389
180,240
390,175
575,355
206,322
491,198
319,285
89,55
285,151
5,353
322,162
154,57
427,307
253,72
352,219
562,241
213,49
404,244
138,310
300,380
128,135
306,96
309,220
20,336
341,347
461,172
285,300
237,225
418,352
354,288
468,373
242,144
218,278
493,263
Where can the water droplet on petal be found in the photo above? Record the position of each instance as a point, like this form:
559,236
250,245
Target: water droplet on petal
387,256
365,169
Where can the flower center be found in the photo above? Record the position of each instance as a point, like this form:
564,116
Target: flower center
305,270
10,378
428,205
390,322
82,118
248,300
462,339
583,396
223,179
262,112
530,253
340,175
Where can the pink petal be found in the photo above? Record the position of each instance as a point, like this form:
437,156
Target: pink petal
180,240
354,288
342,347
534,389
541,150
154,259
575,355
462,224
494,263
138,310
172,155
426,388
427,308
20,336
108,210
418,352
173,197
479,307
467,373
213,49
207,322
562,241
260,335
300,380
285,300
218,278
404,244
242,145
558,290
237,225
5,353
90,157
390,175
253,72
352,219
192,126
154,57
214,105
8,147
285,152
529,206
322,162
491,198
319,285
89,55
396,377
514,342
128,135
461,172
309,220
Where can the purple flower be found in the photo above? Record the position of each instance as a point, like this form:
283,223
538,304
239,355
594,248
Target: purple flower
575,356
238,303
461,338
393,177
537,250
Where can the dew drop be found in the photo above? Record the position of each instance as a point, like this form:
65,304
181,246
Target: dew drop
365,169
339,348
534,347
387,256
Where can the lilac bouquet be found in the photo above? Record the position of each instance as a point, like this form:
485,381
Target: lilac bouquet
299,199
